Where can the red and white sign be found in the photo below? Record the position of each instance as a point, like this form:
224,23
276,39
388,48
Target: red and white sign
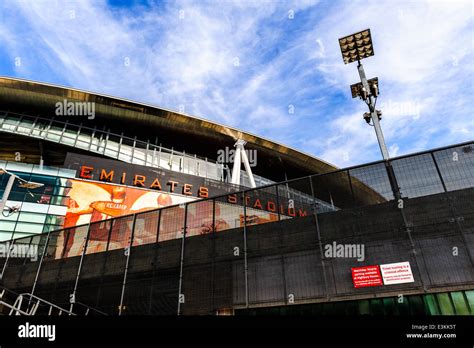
366,276
397,273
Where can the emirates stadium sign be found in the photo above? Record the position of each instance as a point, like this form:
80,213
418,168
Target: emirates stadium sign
112,171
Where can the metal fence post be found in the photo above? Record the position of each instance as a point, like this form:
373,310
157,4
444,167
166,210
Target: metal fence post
245,252
104,263
180,287
10,248
129,251
213,269
277,202
86,242
400,205
439,172
40,263
155,260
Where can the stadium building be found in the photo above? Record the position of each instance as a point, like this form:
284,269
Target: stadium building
117,207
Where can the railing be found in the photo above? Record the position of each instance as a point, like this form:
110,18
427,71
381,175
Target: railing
430,172
29,304
400,180
117,146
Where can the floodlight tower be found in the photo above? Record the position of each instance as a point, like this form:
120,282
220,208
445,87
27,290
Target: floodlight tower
356,47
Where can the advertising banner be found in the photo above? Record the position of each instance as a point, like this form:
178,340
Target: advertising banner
96,203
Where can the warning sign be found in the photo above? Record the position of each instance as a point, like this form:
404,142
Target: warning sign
366,276
397,273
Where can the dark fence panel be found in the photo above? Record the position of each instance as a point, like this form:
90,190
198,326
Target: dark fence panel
269,246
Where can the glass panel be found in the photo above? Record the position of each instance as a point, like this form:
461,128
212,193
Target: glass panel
32,217
199,219
229,212
164,159
20,250
146,227
58,244
121,232
416,305
456,166
20,167
460,304
431,304
85,145
52,136
417,176
27,227
334,189
371,184
125,153
171,223
262,206
445,304
470,299
68,141
139,156
98,236
75,241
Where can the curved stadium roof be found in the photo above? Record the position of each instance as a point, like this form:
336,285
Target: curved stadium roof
191,134
183,132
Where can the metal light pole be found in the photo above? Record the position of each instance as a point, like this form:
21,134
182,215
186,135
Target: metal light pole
356,47
373,112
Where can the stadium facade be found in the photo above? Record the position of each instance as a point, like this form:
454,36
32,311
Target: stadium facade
137,214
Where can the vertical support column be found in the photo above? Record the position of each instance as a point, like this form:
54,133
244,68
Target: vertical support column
153,157
120,145
10,248
40,263
133,148
439,172
181,297
92,137
104,263
78,133
245,160
155,258
127,253
146,152
393,181
86,242
236,168
213,265
282,255
245,251
62,132
278,202
106,140
159,157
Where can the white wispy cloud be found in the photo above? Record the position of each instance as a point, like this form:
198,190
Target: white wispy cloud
247,64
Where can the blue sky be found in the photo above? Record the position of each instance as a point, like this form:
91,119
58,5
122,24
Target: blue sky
272,68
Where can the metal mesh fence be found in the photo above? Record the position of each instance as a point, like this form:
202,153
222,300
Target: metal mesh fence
289,243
